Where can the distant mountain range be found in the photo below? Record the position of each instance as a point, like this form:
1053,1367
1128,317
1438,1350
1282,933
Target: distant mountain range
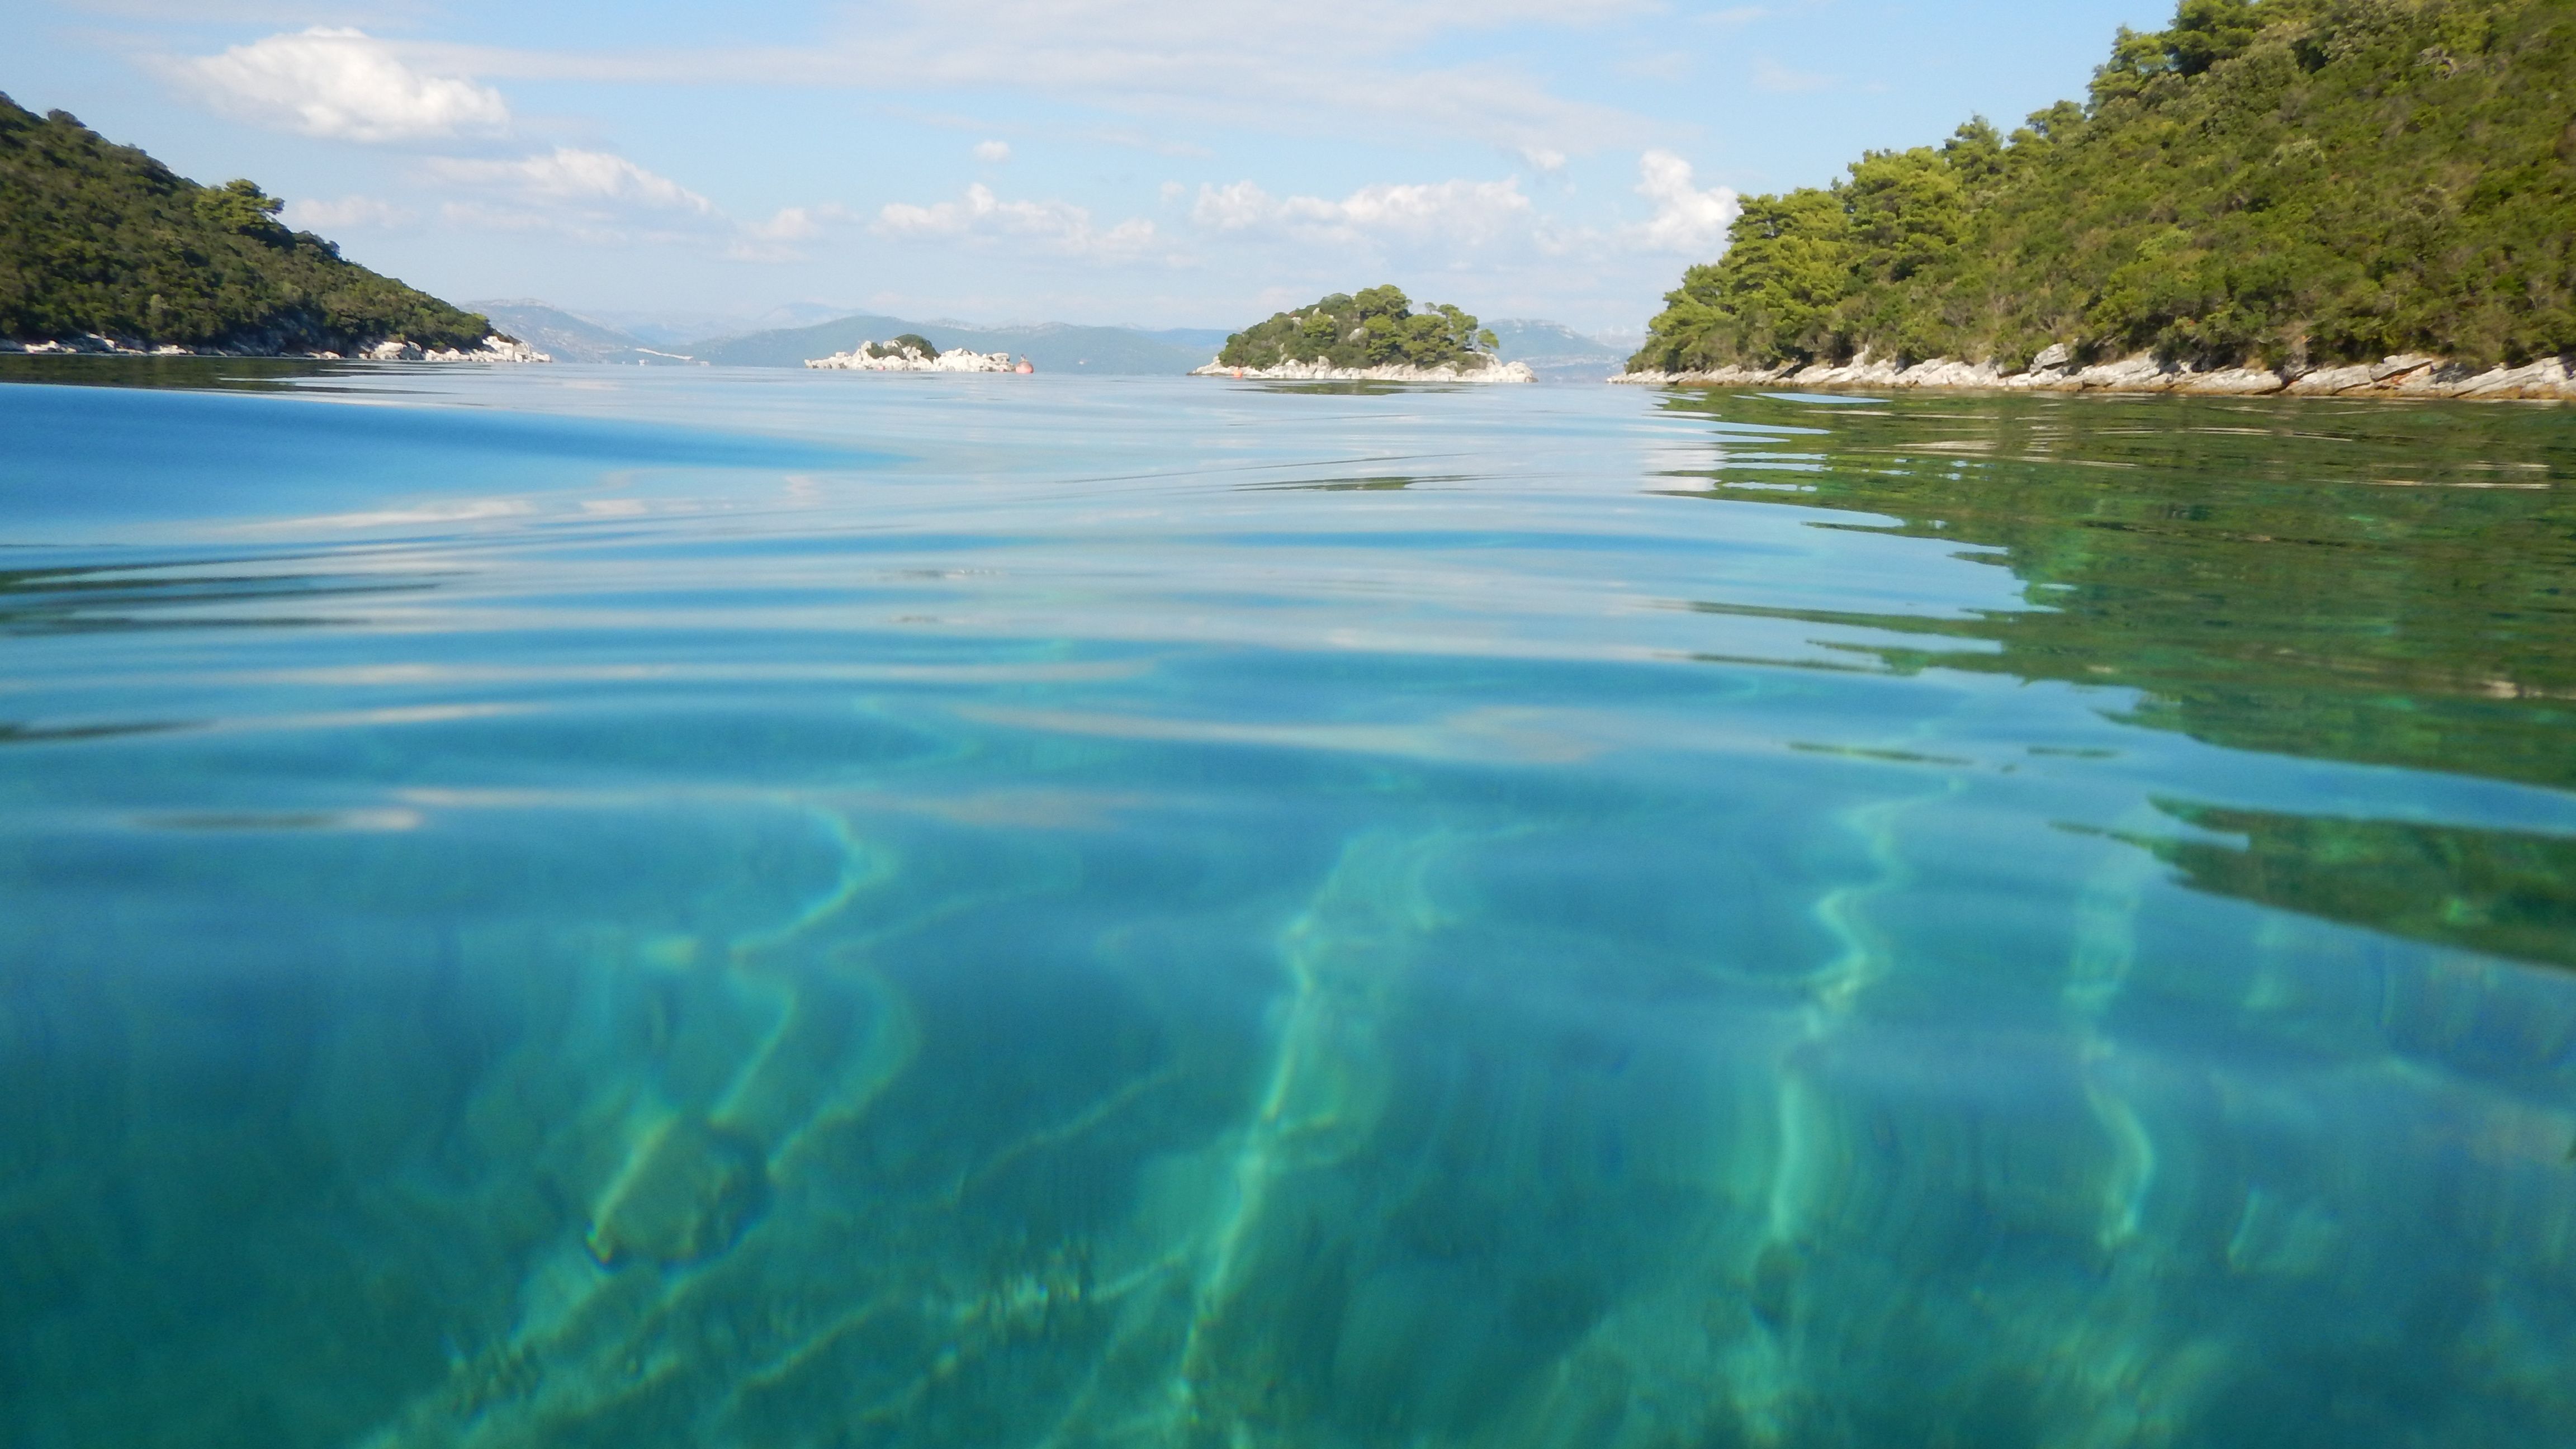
101,239
1051,346
569,337
1550,348
1556,352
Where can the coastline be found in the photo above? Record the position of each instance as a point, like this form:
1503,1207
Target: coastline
2410,375
495,348
1399,372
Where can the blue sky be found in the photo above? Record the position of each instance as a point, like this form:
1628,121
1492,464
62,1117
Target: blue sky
1156,162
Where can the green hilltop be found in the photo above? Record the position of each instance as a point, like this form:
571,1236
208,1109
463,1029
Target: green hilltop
100,238
2284,182
1375,327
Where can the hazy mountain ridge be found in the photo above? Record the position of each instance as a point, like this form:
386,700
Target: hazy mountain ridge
1550,348
571,337
1556,352
1050,346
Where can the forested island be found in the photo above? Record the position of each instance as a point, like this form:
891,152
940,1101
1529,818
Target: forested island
2334,196
1372,334
103,247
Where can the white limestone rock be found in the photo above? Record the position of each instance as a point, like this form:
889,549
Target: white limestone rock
2431,380
495,348
2232,382
1320,370
2549,377
2327,382
2141,373
2044,379
1947,372
1861,371
2409,375
912,359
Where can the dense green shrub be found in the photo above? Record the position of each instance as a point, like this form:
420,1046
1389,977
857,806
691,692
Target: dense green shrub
102,238
1377,327
901,345
2274,181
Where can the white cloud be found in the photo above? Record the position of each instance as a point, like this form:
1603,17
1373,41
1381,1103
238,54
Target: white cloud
312,214
593,178
1543,158
1058,225
593,197
1686,218
993,151
480,216
1352,66
1468,211
1235,207
1463,212
603,199
792,223
343,84
774,240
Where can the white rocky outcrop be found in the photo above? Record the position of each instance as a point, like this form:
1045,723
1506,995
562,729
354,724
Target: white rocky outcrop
2411,375
495,348
1320,370
911,359
94,344
1945,372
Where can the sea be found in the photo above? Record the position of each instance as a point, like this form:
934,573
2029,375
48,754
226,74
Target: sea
574,906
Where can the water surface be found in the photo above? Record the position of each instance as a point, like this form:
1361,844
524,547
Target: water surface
565,907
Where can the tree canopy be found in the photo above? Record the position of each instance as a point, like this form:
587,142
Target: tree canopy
902,344
1376,327
2266,181
99,238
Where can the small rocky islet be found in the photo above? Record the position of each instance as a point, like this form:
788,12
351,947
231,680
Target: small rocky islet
913,352
1373,335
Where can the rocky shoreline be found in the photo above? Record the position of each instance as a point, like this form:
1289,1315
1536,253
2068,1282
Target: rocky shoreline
495,348
955,359
2404,376
1321,371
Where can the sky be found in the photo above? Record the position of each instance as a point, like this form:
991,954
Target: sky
1160,163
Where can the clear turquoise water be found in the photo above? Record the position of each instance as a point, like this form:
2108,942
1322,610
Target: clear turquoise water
668,908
